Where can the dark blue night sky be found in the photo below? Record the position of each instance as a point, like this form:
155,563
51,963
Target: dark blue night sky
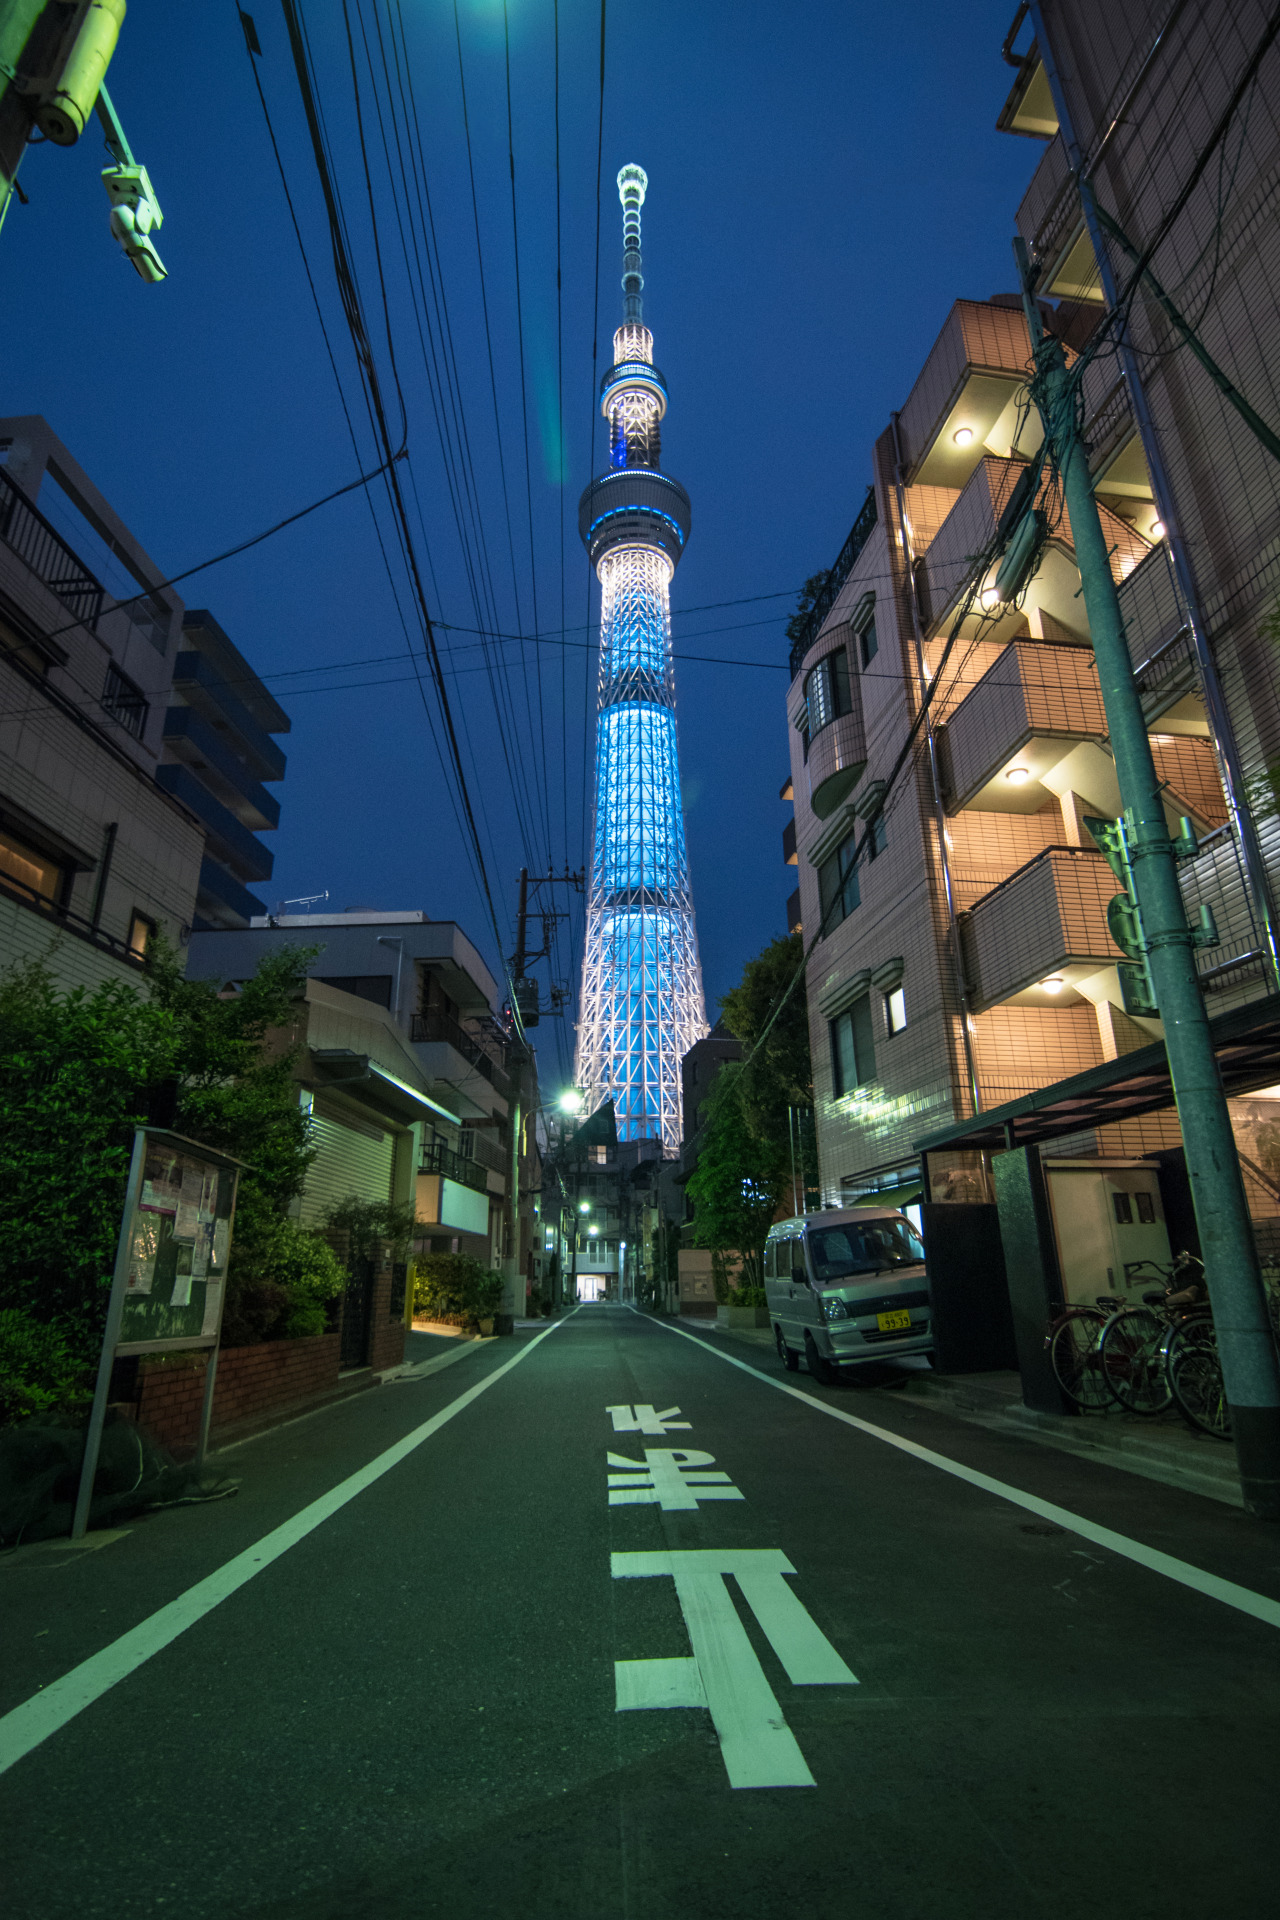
824,181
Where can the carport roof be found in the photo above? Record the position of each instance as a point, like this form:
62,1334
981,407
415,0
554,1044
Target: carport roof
1246,1042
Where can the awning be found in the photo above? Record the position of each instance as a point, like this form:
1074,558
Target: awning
356,1074
1246,1042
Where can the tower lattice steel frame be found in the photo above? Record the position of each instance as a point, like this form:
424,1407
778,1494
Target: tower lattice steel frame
642,1004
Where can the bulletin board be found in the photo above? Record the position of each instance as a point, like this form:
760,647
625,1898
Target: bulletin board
179,1241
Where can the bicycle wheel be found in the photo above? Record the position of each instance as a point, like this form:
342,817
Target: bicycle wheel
1132,1364
1195,1375
1073,1355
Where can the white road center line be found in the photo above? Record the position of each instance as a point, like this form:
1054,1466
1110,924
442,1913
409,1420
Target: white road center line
669,1478
1243,1599
26,1726
758,1747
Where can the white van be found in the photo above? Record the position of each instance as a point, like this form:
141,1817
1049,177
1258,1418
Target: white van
845,1286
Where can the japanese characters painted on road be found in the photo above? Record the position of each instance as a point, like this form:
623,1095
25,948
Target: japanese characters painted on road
670,1478
724,1674
643,1419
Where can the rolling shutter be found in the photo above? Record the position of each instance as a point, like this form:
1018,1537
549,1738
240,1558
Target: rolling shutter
352,1157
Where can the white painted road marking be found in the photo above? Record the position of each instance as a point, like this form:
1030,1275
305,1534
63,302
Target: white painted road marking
643,1419
758,1746
1259,1605
670,1478
26,1726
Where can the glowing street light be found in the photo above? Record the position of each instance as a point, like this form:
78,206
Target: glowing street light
572,1101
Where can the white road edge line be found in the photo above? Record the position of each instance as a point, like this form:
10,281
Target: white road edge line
26,1726
1243,1599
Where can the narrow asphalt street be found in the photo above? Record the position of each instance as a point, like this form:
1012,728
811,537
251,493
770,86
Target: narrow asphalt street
619,1620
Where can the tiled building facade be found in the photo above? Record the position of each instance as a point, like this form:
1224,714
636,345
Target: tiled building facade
955,741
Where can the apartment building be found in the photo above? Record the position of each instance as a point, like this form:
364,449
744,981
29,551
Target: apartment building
416,1089
218,758
94,856
948,746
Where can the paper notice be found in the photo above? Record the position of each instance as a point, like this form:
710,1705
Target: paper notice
221,1243
212,1306
209,1194
156,1194
184,1227
201,1251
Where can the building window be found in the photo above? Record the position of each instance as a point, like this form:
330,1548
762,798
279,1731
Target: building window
826,691
599,1154
141,933
124,702
868,644
853,1051
877,837
838,896
895,1010
25,866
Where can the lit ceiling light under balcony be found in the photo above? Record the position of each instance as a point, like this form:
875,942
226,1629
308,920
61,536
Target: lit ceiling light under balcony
962,436
988,599
1157,529
1052,985
1018,776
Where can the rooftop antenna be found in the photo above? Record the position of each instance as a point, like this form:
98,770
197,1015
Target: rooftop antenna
303,900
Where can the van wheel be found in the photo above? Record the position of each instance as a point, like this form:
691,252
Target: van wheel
789,1358
821,1368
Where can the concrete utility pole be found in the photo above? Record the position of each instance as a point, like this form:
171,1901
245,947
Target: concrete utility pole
1247,1352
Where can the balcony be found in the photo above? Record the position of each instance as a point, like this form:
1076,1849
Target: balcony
491,1154
837,574
795,924
1046,921
1030,708
964,402
228,840
789,856
191,739
24,528
968,531
436,1029
201,685
1051,221
437,1158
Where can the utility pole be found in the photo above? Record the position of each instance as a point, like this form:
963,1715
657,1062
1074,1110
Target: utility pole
1167,942
54,55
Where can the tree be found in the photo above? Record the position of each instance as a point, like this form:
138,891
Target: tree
806,600
79,1071
777,1074
734,1189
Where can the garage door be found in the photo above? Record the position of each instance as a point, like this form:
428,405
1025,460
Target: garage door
352,1157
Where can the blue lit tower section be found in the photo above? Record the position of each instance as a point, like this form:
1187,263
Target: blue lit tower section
642,1005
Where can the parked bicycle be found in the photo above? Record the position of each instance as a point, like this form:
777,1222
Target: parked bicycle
1165,1351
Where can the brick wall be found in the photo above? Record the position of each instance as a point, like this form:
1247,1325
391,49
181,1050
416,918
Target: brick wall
266,1378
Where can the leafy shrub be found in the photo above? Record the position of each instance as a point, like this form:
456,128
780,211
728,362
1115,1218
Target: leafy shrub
283,1286
40,1368
748,1297
455,1286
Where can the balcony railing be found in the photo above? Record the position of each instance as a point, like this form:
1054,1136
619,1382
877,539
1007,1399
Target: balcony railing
1049,913
859,534
24,528
428,1027
437,1158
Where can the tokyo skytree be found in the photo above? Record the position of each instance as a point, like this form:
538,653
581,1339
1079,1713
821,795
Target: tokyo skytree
642,1004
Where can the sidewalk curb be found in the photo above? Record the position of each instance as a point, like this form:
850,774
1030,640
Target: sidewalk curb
1106,1443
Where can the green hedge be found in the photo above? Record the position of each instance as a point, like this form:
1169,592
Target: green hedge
448,1285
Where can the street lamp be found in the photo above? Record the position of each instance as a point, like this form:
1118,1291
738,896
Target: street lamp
572,1101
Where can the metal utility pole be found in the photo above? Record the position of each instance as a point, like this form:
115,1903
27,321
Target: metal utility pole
1247,1352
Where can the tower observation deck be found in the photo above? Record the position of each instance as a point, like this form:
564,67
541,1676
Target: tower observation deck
642,1005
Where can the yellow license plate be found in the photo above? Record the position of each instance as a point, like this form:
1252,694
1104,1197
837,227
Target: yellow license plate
894,1322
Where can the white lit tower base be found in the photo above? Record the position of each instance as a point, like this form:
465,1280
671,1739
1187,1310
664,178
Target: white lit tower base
642,1005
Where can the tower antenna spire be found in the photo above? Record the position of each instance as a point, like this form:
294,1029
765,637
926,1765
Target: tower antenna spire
632,184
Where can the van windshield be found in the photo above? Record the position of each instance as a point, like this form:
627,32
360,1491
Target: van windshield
873,1246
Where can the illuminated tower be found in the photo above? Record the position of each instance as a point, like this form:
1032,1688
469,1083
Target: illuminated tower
642,1006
